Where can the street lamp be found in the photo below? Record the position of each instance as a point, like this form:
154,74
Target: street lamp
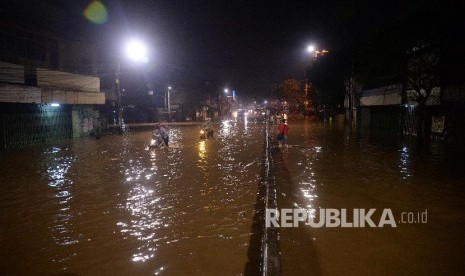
315,53
310,48
137,52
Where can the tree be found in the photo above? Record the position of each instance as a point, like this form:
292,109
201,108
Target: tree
422,78
291,91
326,76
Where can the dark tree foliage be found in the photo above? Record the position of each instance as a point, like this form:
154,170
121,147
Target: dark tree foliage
420,48
290,90
327,75
434,30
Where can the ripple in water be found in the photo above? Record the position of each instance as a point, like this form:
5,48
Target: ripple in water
63,231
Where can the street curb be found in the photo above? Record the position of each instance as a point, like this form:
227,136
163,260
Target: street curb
271,260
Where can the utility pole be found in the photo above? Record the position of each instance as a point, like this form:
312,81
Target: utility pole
352,97
349,83
169,105
219,102
118,99
166,99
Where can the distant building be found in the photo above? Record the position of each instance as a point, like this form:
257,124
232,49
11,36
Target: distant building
48,87
392,110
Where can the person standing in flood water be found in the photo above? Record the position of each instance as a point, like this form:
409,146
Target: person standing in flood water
283,130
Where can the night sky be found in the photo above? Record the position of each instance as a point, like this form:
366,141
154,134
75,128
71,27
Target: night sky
245,45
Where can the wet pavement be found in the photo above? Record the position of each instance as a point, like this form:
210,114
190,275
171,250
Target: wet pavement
113,207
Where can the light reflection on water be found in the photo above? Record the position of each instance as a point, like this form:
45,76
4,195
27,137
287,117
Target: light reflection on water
62,230
202,150
308,180
143,201
111,207
225,129
329,168
142,222
404,163
160,202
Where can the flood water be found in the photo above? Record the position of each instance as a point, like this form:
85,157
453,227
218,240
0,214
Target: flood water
113,207
327,166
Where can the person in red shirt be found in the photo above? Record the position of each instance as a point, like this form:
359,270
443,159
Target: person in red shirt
283,130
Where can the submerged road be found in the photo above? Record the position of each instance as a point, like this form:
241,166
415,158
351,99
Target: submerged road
326,166
113,207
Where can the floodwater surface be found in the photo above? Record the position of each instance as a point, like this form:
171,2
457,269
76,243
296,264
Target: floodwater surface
113,207
326,166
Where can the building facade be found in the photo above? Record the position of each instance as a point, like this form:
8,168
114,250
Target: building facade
49,89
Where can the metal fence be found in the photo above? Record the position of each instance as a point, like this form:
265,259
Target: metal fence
34,125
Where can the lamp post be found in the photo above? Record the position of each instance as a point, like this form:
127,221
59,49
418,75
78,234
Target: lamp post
168,102
118,99
310,49
315,53
349,84
137,52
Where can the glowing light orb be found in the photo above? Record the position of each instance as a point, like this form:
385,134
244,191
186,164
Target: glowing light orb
137,51
96,12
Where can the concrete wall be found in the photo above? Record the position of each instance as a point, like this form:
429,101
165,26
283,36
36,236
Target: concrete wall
67,81
11,93
72,97
52,87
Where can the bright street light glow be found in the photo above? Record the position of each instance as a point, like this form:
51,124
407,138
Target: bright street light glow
226,90
169,87
310,48
137,51
55,104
